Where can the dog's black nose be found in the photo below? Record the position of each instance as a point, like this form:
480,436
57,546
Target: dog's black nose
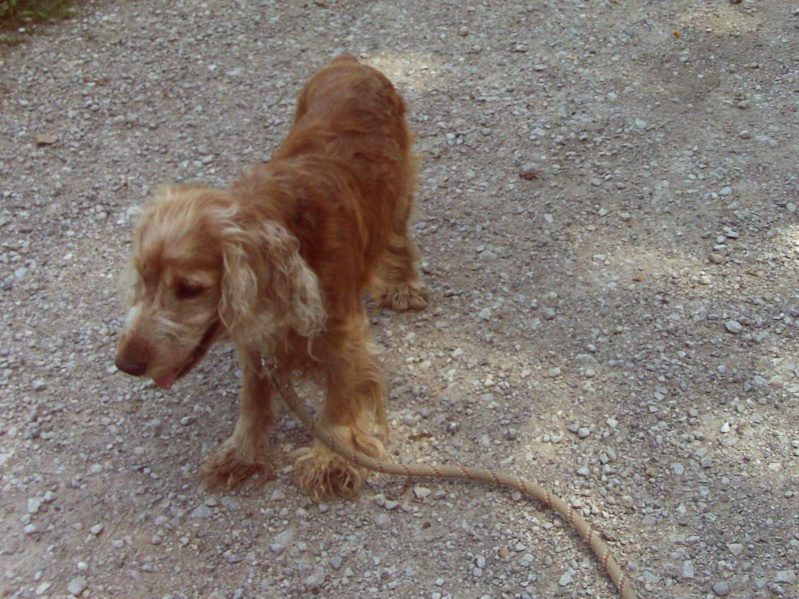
131,367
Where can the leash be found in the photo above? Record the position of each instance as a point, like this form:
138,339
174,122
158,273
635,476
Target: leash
481,475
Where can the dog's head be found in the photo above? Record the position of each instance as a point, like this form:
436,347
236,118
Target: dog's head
202,266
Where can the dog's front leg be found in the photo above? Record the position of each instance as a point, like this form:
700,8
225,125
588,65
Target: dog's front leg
353,409
246,452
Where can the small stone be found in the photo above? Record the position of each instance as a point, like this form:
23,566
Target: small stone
786,576
316,579
745,134
336,562
46,139
566,579
383,521
421,492
687,571
282,540
721,589
38,385
96,529
553,372
42,588
77,585
34,504
735,548
200,512
717,258
527,560
733,326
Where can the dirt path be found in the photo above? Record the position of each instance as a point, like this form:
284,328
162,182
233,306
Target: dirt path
608,222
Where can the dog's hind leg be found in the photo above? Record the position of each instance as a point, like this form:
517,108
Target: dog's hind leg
396,283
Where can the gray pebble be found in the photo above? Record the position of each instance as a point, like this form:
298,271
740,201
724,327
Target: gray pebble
316,579
336,562
786,576
282,540
733,326
721,588
77,585
687,571
201,511
34,504
735,548
421,492
527,560
383,521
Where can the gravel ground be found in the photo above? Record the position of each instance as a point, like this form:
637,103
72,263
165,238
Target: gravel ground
607,213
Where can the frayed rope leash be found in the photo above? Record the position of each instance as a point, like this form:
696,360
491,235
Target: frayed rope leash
531,489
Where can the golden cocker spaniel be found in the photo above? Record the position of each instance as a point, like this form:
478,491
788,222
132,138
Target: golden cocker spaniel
278,264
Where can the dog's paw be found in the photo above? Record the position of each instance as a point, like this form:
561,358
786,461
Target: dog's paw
233,462
323,473
405,296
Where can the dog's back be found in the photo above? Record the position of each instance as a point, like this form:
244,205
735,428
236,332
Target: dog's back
345,176
349,98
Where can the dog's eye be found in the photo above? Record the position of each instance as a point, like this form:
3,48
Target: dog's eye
186,290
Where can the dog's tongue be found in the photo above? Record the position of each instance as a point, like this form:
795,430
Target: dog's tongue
165,381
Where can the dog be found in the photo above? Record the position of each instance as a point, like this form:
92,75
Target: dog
277,264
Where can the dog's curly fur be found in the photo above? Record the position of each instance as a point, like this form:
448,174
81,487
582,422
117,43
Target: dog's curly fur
278,264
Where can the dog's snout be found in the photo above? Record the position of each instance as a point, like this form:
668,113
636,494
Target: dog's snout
129,366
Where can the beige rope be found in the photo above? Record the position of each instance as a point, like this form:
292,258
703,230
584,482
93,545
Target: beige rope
500,479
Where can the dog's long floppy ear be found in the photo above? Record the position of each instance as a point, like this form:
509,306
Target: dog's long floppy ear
267,287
